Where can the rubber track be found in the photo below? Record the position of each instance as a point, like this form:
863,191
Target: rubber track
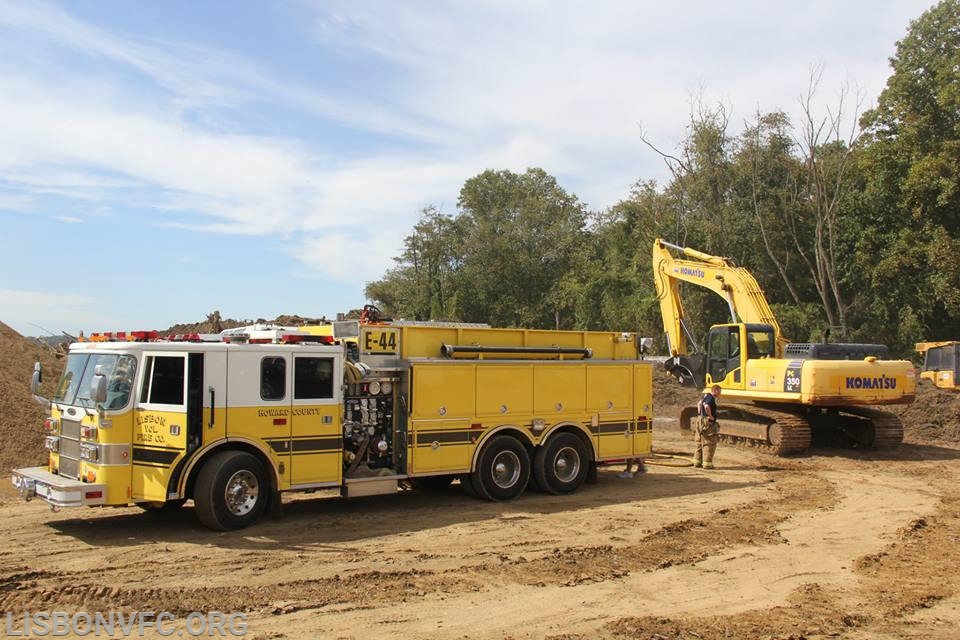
788,433
887,427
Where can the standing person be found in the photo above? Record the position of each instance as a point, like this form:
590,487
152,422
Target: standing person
707,434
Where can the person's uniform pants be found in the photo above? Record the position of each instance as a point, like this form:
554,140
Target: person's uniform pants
706,436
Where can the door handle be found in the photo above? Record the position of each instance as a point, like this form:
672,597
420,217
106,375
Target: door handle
213,407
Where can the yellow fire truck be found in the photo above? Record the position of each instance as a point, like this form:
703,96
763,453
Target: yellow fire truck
232,420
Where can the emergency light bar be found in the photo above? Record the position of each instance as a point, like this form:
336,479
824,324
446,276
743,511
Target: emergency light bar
121,336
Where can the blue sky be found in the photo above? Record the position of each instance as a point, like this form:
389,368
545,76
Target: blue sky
159,160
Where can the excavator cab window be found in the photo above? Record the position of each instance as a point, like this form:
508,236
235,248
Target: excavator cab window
759,343
724,352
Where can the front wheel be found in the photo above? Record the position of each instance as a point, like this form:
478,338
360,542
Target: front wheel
503,470
560,465
230,492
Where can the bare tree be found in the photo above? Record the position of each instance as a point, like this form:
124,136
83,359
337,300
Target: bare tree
699,184
827,146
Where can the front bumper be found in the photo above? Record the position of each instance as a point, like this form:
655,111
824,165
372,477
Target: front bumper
37,482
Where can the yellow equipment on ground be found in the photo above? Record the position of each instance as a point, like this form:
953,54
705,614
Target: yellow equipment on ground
776,394
941,364
231,420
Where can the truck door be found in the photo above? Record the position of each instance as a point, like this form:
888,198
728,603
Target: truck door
316,436
642,409
725,357
610,398
161,420
259,395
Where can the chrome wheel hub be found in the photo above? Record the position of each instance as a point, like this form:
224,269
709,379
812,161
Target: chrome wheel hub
566,464
241,492
505,469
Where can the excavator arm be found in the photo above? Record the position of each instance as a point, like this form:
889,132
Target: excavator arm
734,284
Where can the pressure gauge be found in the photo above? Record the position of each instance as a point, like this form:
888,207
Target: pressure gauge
386,387
374,388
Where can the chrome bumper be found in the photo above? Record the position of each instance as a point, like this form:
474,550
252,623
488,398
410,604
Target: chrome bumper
37,482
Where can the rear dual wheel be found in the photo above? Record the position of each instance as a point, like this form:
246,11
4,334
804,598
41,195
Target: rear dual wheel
561,465
503,470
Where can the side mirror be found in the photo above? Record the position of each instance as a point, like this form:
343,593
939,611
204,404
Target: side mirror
98,386
35,386
37,379
645,344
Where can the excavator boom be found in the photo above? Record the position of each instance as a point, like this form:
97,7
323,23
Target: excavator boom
734,284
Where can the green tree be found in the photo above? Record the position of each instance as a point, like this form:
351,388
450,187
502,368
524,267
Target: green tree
422,285
912,160
523,237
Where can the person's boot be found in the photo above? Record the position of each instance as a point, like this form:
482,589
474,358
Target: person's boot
708,465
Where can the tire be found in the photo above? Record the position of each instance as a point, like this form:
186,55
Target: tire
433,483
561,465
474,488
466,482
687,415
503,469
231,492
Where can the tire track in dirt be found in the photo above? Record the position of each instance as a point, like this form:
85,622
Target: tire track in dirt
670,545
40,591
743,561
893,594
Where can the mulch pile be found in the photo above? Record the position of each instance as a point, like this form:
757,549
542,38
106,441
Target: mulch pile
21,419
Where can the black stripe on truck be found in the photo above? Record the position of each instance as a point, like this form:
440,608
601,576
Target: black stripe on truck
155,456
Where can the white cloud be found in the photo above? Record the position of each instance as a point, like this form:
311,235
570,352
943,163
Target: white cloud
471,86
195,75
582,76
346,258
36,313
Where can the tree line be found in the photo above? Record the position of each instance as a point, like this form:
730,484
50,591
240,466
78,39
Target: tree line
849,220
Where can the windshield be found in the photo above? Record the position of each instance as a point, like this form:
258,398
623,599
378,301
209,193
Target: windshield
74,387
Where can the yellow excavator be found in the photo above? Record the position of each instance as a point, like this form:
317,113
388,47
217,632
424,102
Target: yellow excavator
777,395
941,361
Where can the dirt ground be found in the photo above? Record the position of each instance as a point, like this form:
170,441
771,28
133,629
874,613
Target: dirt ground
832,544
828,545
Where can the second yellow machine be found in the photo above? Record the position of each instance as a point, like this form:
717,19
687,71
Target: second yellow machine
777,394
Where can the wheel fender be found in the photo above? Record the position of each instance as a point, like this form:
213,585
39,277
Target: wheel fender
203,454
579,428
514,430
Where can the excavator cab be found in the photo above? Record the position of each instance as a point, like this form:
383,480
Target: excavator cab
723,353
730,346
941,364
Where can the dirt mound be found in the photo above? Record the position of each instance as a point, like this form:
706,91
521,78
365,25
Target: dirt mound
669,396
21,419
934,416
215,324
